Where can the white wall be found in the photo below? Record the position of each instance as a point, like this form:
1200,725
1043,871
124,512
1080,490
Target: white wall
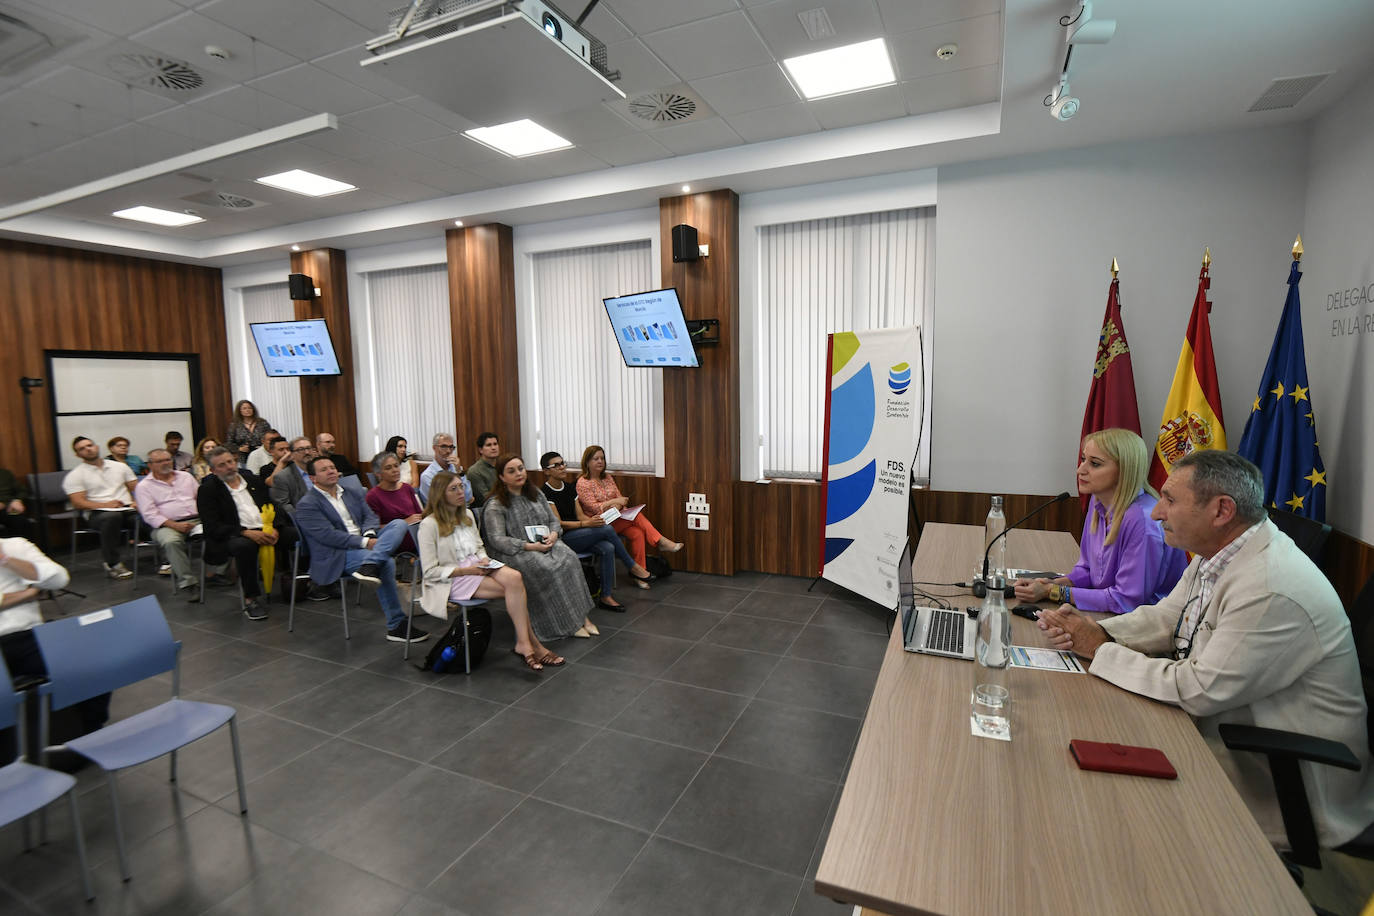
1021,282
1337,289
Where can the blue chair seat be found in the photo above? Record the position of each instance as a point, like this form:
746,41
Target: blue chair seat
24,788
152,733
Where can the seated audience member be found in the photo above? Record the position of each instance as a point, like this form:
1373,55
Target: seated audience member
181,461
452,556
119,451
445,459
103,490
1125,562
13,492
200,462
392,498
588,534
324,447
279,458
230,502
344,538
246,430
263,453
166,499
410,469
482,472
1253,633
558,596
291,483
597,492
24,572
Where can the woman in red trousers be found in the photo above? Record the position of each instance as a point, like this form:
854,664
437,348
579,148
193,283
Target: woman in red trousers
597,492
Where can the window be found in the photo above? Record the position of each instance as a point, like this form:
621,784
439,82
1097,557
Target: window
277,399
412,356
584,393
816,277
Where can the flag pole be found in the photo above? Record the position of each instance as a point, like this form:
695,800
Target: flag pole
1297,248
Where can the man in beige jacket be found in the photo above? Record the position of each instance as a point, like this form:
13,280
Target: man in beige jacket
1253,633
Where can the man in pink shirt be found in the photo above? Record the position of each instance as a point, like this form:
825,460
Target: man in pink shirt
166,499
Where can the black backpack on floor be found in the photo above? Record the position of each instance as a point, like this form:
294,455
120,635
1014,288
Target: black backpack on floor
478,637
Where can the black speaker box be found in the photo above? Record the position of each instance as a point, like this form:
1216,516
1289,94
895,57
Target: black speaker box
301,286
685,243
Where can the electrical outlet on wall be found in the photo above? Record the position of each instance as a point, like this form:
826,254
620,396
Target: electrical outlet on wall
696,522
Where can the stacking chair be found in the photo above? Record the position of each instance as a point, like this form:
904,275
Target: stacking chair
47,486
296,576
25,788
415,588
99,652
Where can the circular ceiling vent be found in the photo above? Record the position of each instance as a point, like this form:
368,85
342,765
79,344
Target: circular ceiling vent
663,106
233,201
156,72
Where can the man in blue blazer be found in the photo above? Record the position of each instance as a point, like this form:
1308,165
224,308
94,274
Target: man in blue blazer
342,531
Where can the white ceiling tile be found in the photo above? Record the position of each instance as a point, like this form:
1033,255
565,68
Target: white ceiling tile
458,151
697,136
853,20
436,112
456,181
317,90
368,178
904,15
345,65
640,70
859,107
21,139
585,125
18,184
604,25
251,107
745,90
313,28
628,150
349,142
185,37
957,89
772,123
709,46
254,164
89,90
71,164
27,106
510,171
120,18
373,15
569,162
404,162
397,123
979,41
197,124
643,16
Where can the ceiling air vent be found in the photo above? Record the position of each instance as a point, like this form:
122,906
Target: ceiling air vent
26,40
663,107
817,23
149,71
1287,92
224,200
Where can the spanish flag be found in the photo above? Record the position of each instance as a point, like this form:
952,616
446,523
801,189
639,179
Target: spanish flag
1192,414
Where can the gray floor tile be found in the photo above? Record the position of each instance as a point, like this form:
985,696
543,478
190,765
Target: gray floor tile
277,681
344,702
840,689
668,619
585,694
194,639
424,724
722,668
765,817
381,835
804,741
845,615
810,903
797,585
312,882
792,608
625,779
678,714
420,905
744,578
541,859
709,597
516,749
669,879
501,678
637,653
754,633
840,647
233,658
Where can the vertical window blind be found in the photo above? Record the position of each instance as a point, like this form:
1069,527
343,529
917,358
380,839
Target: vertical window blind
277,399
584,392
816,277
412,356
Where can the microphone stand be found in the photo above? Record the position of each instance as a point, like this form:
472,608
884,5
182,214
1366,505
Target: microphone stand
980,589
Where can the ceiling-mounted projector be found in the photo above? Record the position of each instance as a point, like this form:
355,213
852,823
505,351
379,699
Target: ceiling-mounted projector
494,61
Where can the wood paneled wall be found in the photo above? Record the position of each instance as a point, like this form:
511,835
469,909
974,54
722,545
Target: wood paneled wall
54,298
777,527
486,375
328,404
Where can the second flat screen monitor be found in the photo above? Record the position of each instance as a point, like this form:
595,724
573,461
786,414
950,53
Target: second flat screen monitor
295,348
650,329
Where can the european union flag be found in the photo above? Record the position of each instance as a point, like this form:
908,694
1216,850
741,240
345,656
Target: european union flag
1281,432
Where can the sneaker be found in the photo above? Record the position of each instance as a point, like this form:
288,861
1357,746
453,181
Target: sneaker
165,569
253,610
399,634
218,580
318,593
368,572
118,571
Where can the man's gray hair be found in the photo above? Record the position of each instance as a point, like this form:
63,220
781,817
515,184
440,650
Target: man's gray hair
438,436
154,451
220,450
1218,473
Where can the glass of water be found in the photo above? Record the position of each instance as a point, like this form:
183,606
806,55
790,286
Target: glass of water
991,712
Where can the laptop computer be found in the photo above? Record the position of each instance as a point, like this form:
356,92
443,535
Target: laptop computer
934,631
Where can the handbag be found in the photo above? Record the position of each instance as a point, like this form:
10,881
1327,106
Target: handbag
447,652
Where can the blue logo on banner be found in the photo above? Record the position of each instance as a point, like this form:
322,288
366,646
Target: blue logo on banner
899,378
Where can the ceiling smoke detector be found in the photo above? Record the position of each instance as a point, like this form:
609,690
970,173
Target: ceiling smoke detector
661,107
152,71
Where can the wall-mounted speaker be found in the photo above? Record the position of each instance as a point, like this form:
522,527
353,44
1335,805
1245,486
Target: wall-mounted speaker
301,286
685,243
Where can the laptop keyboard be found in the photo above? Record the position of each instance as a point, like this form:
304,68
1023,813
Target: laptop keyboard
946,632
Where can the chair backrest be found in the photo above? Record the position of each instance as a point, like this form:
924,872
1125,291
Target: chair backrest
371,479
1310,535
9,700
47,485
94,653
1362,628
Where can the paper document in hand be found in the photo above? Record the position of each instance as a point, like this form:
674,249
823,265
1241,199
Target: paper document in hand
536,533
610,515
491,564
630,513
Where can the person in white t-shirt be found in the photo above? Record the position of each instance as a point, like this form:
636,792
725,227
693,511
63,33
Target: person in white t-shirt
104,491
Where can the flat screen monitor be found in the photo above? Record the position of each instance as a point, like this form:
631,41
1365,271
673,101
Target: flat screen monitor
292,349
650,329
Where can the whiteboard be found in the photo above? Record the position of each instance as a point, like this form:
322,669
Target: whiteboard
141,399
144,431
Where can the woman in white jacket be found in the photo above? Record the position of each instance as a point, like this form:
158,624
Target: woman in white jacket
456,566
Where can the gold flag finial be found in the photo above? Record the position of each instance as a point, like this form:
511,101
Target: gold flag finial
1297,248
1206,258
1116,268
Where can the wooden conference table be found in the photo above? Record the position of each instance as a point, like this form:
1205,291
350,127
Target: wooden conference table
934,820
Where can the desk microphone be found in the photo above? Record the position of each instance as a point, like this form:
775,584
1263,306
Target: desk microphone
980,589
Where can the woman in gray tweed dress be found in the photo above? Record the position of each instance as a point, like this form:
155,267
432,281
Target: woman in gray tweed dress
558,596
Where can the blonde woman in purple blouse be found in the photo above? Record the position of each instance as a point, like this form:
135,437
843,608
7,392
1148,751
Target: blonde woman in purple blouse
1124,562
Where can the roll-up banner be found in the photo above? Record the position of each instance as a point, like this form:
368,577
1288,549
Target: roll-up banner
872,412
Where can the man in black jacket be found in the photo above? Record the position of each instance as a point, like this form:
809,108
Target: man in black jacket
230,501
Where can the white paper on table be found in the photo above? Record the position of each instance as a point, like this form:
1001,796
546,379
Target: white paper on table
1045,659
630,513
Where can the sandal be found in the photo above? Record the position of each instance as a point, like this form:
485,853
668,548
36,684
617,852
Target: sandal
552,660
530,661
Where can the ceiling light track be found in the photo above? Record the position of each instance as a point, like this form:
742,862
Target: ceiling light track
1080,29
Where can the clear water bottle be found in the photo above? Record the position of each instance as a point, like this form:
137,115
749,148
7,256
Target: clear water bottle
995,525
993,648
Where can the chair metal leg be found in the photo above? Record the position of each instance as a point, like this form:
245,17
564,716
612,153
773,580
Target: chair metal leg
173,757
80,842
343,599
72,562
238,763
467,654
118,827
295,581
